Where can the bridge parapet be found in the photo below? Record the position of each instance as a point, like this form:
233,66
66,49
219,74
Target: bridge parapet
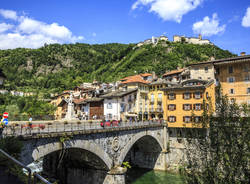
55,128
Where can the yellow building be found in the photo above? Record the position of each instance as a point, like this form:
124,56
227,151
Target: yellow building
233,74
61,108
183,106
156,102
141,82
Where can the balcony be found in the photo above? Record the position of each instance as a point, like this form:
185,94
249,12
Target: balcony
159,100
159,110
152,101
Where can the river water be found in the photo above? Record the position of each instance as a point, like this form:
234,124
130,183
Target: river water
143,176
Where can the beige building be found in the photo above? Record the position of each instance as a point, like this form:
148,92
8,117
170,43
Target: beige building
192,40
202,71
233,75
141,82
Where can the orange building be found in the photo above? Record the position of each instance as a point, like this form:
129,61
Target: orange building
233,74
184,103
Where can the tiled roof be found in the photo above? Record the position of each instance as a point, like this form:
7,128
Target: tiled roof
224,60
118,93
173,72
134,79
145,74
79,101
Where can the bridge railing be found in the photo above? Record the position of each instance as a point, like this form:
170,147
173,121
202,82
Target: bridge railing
36,176
26,128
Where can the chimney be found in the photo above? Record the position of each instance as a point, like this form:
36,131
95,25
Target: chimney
243,53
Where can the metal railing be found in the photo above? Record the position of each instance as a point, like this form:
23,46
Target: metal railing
35,175
25,129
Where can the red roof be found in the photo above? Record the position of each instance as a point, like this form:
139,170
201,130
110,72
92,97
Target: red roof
145,74
78,101
134,79
173,72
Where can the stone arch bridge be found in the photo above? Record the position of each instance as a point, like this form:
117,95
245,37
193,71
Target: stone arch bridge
102,151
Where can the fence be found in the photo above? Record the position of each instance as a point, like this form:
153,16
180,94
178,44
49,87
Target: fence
36,176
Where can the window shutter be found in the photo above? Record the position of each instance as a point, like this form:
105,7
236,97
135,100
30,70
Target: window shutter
201,95
183,118
175,119
168,107
193,95
183,95
201,106
194,106
183,106
174,107
190,106
168,118
174,96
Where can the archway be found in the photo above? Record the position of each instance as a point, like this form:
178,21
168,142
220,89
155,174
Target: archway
142,151
82,160
74,166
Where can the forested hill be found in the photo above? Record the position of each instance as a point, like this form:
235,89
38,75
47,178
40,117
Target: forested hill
55,67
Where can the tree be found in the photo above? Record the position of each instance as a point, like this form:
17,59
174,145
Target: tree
222,156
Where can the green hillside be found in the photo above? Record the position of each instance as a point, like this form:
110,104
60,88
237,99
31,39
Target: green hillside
55,67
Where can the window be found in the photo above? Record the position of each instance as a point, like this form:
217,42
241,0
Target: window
248,90
206,69
171,107
230,79
109,116
152,97
197,95
218,71
247,78
159,97
171,96
172,119
186,96
199,78
207,96
187,107
122,99
186,119
230,69
231,91
197,107
109,105
122,108
197,119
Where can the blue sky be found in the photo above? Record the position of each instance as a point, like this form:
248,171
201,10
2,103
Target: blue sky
31,23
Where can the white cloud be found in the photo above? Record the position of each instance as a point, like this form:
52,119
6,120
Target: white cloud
246,19
208,27
4,27
30,33
8,14
169,9
94,34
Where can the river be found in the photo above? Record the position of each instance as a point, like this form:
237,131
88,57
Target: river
144,176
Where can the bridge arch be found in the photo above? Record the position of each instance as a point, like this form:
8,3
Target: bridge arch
88,145
133,140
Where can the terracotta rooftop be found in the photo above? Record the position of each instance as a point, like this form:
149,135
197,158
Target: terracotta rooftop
79,101
135,79
145,74
173,72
